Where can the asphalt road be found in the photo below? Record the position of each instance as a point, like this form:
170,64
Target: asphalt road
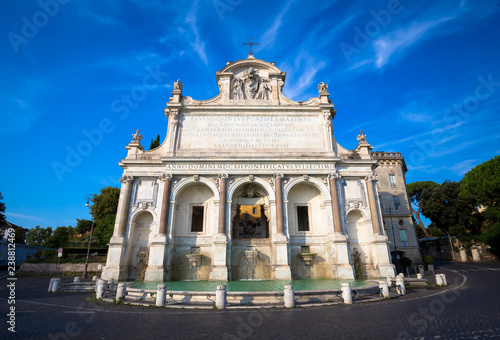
469,308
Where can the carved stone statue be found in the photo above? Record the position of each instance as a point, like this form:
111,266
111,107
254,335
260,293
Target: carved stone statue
178,85
136,137
265,89
251,83
361,138
322,87
237,88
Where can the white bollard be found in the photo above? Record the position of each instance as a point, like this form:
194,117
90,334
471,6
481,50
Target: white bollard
419,276
463,254
160,294
96,282
111,283
50,284
76,279
445,282
220,297
289,296
120,291
439,280
101,288
385,289
389,280
346,293
400,284
56,284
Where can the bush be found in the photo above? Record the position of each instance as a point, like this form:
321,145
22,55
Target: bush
428,259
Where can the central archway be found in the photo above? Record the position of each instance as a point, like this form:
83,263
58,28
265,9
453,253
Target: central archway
250,232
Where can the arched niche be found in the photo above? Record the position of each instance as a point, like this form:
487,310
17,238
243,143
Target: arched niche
138,244
250,210
304,208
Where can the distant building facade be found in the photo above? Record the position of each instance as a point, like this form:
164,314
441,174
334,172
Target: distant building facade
395,206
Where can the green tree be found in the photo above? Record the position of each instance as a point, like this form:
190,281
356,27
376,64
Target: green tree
60,238
20,235
104,209
2,209
83,226
481,185
448,212
38,236
415,191
154,144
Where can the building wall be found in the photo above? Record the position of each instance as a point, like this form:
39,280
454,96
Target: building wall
395,205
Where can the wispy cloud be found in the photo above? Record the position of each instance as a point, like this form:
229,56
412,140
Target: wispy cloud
397,41
463,167
193,34
307,67
269,37
27,217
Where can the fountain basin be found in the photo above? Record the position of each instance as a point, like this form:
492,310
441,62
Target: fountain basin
308,258
194,260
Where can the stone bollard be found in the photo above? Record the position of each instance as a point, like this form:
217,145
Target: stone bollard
55,284
76,279
385,289
50,284
220,297
120,291
111,283
389,280
160,294
400,284
445,282
439,280
463,254
96,282
419,276
101,288
476,257
346,293
289,296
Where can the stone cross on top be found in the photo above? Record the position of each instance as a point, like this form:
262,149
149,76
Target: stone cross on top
251,43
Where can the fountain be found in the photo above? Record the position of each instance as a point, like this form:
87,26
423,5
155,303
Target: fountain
248,263
307,256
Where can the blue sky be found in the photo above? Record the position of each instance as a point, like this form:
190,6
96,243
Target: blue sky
79,77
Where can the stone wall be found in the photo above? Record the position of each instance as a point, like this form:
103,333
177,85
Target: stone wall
60,268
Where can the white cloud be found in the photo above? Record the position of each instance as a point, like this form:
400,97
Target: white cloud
416,117
463,167
269,37
193,34
397,41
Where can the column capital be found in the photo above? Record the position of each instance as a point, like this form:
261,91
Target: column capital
165,177
223,175
127,179
278,175
334,175
372,178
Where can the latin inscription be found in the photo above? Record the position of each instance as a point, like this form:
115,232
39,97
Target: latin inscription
251,132
251,166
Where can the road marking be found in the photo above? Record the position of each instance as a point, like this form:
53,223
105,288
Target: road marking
79,312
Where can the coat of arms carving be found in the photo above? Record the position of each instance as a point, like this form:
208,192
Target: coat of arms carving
251,86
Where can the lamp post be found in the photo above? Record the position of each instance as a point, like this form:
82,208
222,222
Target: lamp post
451,244
89,198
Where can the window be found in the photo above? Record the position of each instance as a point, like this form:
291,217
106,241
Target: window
197,219
392,180
403,237
385,232
397,202
254,210
303,218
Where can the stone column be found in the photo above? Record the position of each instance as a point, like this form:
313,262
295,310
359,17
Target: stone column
280,228
370,182
124,204
337,225
219,251
222,203
167,189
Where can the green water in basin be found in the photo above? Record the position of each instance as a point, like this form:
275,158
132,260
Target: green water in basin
251,286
